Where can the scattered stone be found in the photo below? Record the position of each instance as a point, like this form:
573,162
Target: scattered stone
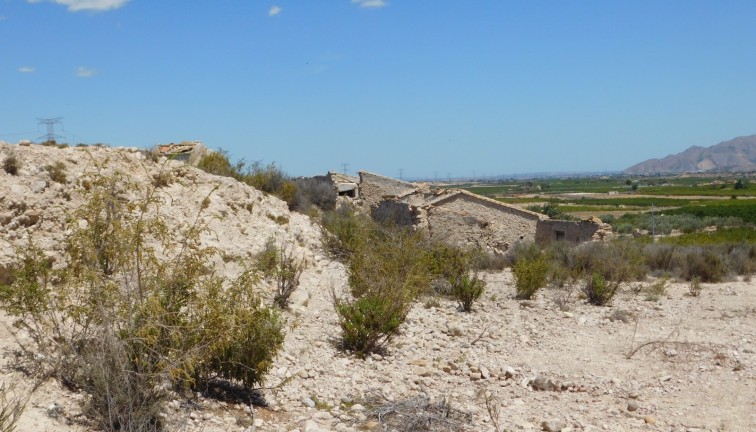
649,419
422,371
308,402
39,186
484,372
632,405
543,384
552,425
311,426
419,362
322,415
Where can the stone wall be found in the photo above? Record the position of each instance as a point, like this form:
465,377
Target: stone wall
468,221
374,187
395,212
549,231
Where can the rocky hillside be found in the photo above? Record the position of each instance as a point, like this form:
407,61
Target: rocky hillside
736,155
508,365
37,203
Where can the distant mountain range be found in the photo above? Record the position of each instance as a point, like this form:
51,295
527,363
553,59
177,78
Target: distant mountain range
736,155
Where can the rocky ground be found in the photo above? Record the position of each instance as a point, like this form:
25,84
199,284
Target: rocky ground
509,365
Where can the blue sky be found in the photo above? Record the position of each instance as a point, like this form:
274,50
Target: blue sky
431,87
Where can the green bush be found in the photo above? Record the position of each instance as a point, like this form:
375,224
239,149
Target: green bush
344,231
369,323
606,266
387,272
447,262
530,275
219,163
122,319
269,178
597,290
467,290
390,262
551,210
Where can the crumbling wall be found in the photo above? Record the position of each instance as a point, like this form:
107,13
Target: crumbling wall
549,231
467,221
395,212
374,188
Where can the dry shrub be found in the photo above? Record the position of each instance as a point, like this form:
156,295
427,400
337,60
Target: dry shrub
522,250
12,405
606,266
660,257
11,164
314,191
656,290
162,179
561,283
741,259
57,172
137,310
279,264
482,260
705,264
695,287
418,414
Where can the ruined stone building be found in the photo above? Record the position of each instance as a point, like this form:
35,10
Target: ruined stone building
185,151
459,217
592,229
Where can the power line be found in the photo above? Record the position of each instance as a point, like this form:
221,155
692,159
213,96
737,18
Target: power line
50,123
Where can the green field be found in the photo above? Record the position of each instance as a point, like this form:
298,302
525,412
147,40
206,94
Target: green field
726,235
684,204
745,210
662,186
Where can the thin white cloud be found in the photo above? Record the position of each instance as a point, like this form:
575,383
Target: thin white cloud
84,72
371,3
83,5
26,69
274,10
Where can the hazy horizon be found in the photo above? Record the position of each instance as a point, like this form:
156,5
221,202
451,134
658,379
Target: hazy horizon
420,89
